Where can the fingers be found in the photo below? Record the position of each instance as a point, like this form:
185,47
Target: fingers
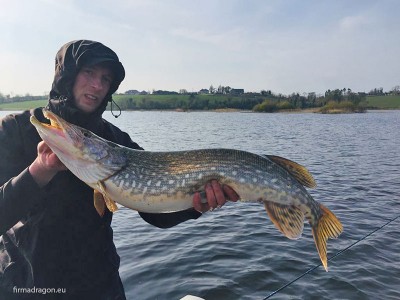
219,195
42,147
216,195
230,193
48,159
198,205
45,166
211,199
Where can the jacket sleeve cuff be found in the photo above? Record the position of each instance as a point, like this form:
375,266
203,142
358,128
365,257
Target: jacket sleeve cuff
167,220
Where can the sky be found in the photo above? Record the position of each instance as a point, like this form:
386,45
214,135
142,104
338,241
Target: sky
284,46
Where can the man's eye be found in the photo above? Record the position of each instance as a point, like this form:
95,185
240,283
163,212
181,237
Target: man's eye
87,134
107,80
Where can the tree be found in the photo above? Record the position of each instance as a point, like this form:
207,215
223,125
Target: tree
376,92
212,89
312,99
336,95
266,93
396,90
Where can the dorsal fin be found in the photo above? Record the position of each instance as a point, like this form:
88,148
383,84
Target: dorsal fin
299,172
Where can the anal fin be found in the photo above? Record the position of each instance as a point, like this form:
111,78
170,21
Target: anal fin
287,218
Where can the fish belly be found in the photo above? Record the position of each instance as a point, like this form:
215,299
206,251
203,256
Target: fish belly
148,201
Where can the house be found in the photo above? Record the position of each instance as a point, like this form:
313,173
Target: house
132,92
237,91
204,91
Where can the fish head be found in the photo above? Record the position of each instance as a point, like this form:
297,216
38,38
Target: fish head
88,156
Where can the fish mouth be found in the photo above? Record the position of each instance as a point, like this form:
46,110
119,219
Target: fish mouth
52,117
54,120
55,126
56,135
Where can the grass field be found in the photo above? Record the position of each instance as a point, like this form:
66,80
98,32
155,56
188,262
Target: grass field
377,102
24,105
384,102
143,101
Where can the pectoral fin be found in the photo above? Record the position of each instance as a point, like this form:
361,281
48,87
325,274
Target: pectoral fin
108,202
287,218
298,171
99,203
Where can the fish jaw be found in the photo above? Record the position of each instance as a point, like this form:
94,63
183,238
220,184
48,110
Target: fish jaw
88,156
55,135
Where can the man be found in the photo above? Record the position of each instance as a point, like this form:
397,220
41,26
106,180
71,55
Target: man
51,234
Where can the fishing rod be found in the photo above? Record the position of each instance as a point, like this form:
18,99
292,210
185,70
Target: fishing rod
329,259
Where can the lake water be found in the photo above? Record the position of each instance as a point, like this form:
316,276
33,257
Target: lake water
236,252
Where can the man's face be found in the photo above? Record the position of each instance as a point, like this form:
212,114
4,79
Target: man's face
91,86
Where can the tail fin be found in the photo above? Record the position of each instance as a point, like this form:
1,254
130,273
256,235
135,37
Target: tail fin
328,226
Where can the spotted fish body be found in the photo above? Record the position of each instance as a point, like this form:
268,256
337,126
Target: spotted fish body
157,182
162,182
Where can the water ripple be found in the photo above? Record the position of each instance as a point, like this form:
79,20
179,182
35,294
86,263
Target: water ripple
236,252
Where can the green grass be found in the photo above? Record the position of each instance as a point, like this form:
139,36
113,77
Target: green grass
384,102
190,102
24,105
171,98
212,101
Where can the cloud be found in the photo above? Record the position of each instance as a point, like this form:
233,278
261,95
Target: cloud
232,39
278,45
354,22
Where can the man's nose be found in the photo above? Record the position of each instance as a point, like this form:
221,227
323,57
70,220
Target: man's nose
96,82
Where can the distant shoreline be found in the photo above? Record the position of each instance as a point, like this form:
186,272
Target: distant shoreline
230,110
229,103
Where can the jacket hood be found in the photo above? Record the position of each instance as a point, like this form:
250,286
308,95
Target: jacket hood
73,56
69,60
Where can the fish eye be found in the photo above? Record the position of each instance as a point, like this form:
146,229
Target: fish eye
86,134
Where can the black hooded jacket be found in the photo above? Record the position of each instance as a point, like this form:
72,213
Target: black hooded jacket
53,236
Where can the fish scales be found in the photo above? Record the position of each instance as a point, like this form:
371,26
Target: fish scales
166,174
185,172
161,182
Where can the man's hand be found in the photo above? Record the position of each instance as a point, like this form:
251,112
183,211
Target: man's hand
46,165
216,195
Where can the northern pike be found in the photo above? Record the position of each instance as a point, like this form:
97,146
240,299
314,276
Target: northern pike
162,182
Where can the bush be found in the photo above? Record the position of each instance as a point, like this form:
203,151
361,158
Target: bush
266,106
285,105
340,107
